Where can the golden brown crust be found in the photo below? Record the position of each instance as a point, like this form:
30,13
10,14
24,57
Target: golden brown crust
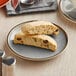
39,27
42,41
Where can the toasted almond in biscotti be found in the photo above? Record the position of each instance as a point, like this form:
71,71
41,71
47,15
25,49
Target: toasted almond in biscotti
42,41
39,27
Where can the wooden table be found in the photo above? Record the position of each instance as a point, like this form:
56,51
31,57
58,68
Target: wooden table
63,65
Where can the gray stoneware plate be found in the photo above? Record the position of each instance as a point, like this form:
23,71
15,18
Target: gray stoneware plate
34,53
65,15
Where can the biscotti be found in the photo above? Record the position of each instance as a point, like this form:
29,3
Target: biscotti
39,27
42,41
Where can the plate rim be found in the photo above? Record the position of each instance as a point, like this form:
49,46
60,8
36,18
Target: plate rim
5,4
64,15
35,59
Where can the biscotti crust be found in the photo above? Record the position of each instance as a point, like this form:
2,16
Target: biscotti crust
42,41
39,27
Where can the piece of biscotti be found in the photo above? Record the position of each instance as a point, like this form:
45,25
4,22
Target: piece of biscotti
39,27
42,41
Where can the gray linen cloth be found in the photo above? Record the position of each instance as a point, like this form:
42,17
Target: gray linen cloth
69,8
38,6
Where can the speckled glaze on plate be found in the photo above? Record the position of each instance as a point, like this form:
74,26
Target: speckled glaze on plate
34,53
